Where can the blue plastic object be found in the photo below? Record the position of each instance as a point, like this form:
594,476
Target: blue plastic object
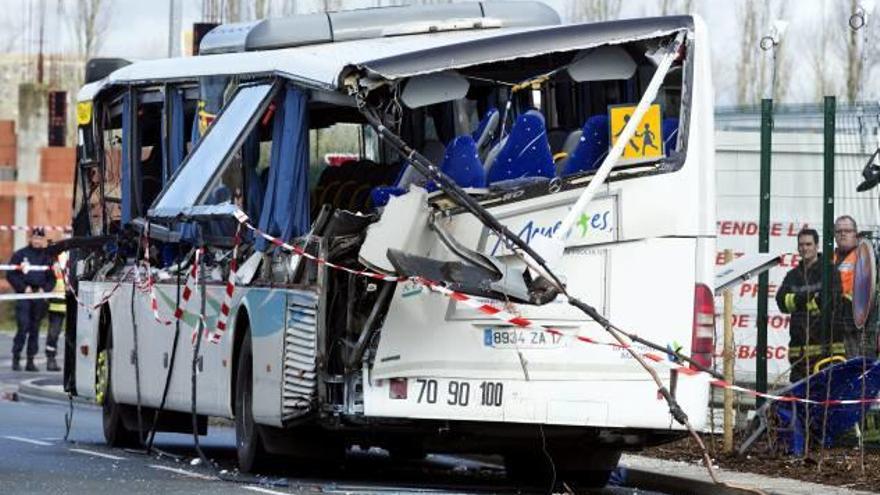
593,145
382,194
527,151
483,127
836,383
462,164
669,128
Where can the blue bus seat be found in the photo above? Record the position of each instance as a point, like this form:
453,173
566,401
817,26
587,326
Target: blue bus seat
484,134
526,152
592,146
462,163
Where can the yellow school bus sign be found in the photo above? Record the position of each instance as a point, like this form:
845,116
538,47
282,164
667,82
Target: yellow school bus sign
647,143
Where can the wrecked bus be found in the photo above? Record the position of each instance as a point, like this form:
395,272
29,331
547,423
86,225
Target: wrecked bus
222,269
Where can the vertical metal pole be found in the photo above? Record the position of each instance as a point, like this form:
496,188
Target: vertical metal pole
763,247
828,216
728,362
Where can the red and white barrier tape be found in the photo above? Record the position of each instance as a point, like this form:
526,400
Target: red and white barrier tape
24,268
188,291
151,289
244,220
522,322
104,298
223,317
25,228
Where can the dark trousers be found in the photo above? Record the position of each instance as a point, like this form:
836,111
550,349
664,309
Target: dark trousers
56,323
28,315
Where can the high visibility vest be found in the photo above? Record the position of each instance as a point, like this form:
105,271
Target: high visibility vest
847,270
58,305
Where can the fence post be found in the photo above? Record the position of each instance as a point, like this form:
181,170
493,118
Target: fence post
763,247
828,215
728,362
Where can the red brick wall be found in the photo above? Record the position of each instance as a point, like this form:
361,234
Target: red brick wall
57,164
7,143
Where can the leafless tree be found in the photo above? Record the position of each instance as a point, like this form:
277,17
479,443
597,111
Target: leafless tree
262,9
211,11
670,7
593,10
754,69
233,11
89,19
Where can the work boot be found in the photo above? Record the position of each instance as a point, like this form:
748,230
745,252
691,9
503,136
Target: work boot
16,363
30,366
51,364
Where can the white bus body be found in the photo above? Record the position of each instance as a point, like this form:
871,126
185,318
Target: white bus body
431,372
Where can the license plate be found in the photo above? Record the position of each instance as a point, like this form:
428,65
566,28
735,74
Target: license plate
519,338
457,393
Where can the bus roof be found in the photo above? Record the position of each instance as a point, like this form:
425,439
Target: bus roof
323,65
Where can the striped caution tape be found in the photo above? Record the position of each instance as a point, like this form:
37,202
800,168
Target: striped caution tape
104,297
27,228
24,267
245,221
188,292
151,289
519,321
27,296
223,317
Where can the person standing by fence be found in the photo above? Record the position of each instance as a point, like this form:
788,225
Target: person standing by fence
800,296
30,312
858,342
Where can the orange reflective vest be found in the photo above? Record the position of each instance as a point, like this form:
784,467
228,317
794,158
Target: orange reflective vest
847,270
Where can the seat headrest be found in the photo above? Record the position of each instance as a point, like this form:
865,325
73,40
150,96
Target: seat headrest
462,163
485,132
592,146
527,151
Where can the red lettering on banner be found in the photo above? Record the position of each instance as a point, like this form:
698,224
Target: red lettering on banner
794,228
779,321
776,229
751,352
719,256
741,321
751,290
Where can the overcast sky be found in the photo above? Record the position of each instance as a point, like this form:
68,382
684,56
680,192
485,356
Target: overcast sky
139,29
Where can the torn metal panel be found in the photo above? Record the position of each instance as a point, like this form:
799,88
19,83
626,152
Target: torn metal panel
530,43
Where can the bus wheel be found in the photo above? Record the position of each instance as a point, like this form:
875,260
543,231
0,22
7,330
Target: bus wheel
534,468
115,432
249,444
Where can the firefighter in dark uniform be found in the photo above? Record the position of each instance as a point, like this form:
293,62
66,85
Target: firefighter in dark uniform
800,296
30,312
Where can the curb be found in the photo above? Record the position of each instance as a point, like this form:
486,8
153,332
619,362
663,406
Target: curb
37,388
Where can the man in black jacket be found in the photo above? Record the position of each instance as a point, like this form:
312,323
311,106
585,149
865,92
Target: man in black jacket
800,296
30,312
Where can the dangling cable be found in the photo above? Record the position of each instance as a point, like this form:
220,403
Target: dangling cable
200,327
173,359
134,329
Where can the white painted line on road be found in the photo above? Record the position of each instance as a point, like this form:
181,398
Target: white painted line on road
98,454
263,490
27,440
183,472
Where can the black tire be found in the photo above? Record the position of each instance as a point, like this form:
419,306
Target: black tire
115,432
535,469
249,444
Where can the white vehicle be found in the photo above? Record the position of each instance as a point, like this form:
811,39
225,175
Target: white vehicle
315,358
